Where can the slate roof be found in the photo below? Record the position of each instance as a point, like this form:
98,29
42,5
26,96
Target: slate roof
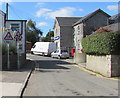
90,15
116,18
67,21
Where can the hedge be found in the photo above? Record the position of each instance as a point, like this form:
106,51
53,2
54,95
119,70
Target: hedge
104,43
12,50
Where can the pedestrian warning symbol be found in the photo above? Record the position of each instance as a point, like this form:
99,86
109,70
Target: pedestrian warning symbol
8,36
18,36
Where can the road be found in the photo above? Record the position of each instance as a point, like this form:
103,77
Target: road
59,78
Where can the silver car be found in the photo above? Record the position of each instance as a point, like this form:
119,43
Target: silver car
60,54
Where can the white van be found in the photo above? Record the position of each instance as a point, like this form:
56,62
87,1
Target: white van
43,48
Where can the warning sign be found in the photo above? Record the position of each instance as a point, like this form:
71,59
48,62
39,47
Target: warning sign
18,36
8,36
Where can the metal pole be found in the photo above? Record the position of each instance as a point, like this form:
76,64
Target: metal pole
6,11
8,57
18,60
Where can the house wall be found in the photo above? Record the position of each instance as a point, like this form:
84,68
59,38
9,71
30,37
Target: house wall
2,24
78,35
95,22
108,65
66,38
57,33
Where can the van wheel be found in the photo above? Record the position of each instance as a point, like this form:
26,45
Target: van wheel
43,54
32,53
67,57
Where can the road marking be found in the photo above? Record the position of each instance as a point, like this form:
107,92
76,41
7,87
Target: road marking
98,75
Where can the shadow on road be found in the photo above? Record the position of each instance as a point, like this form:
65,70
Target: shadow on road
52,64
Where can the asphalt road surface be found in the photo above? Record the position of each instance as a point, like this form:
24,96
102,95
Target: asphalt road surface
58,78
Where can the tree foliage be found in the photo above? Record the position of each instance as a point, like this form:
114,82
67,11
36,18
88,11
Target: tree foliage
32,32
48,37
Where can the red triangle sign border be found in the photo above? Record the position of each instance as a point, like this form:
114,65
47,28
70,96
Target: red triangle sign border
8,34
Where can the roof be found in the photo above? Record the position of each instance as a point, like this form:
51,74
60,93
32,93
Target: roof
115,18
112,27
67,21
1,12
90,15
17,20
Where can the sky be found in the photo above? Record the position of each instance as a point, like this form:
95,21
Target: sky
44,13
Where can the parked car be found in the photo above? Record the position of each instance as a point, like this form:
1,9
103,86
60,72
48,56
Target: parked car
43,48
60,54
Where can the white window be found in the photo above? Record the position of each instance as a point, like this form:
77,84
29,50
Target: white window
15,27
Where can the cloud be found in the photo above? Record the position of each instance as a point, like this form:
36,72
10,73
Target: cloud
112,7
40,4
63,12
81,10
42,12
42,24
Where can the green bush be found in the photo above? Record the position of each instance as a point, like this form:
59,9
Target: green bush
12,50
102,44
4,49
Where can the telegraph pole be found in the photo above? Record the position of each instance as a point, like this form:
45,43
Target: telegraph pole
6,11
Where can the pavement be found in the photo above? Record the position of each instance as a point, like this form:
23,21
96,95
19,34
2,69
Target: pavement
13,82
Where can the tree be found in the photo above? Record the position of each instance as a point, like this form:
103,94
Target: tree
48,37
32,32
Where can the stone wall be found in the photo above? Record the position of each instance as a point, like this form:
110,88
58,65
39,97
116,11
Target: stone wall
108,65
79,58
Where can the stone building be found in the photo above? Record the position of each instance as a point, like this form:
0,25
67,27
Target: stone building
63,32
88,25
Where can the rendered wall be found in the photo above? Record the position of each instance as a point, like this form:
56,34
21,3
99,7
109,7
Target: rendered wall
108,65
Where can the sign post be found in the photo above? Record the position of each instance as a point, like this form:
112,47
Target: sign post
8,39
8,65
18,37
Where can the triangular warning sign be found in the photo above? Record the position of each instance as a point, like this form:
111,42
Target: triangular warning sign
8,36
18,36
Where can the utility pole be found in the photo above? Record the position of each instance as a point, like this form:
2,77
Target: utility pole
6,11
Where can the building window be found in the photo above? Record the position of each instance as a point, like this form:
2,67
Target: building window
78,32
78,28
15,27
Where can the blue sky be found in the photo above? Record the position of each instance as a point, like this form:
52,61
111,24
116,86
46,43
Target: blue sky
44,13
